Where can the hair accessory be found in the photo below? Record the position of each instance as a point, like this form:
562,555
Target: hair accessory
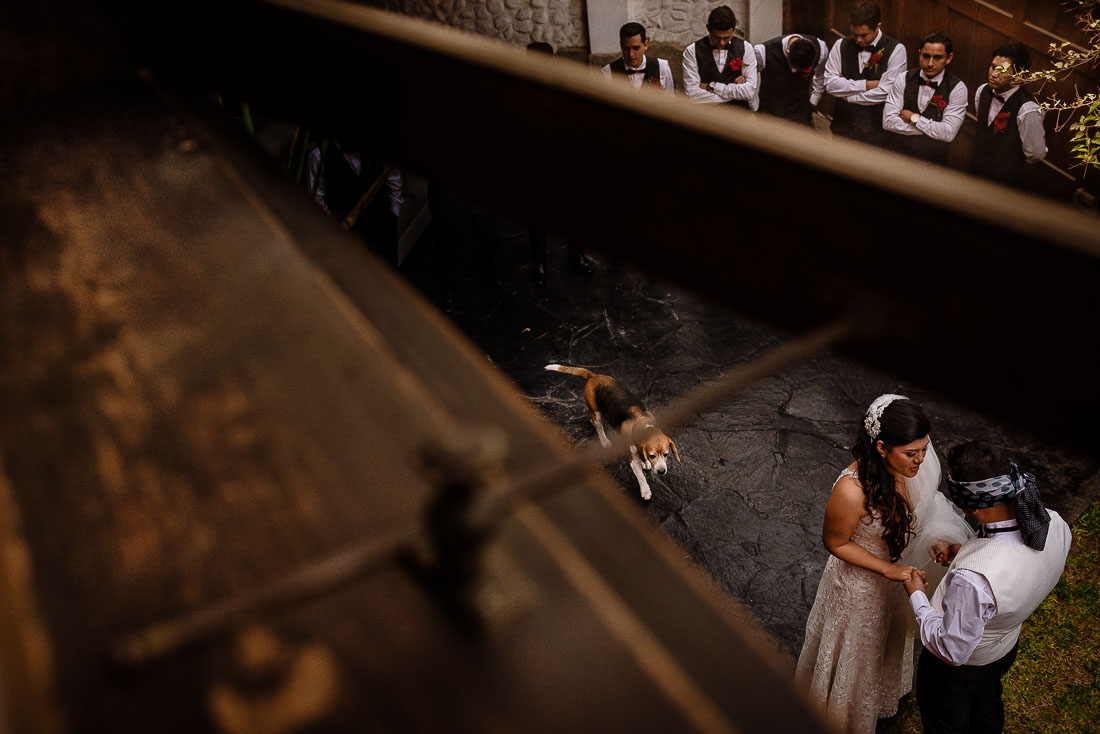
874,413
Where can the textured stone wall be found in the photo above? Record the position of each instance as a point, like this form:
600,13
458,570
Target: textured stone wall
562,23
682,21
558,22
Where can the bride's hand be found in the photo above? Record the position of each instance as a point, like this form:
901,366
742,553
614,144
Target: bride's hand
898,572
916,582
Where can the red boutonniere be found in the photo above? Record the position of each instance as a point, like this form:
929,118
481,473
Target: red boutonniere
736,64
872,63
935,107
1000,122
655,81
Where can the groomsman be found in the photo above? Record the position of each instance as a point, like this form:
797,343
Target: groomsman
636,64
718,68
971,627
792,76
1010,126
926,106
859,73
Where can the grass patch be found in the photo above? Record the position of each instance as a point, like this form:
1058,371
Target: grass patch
1055,684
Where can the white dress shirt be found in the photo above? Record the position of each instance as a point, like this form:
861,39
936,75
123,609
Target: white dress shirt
817,86
968,604
722,92
855,90
1029,120
636,79
944,130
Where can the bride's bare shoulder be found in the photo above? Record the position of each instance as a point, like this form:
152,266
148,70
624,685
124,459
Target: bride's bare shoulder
846,501
848,481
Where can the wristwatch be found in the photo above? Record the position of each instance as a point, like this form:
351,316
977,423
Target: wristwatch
710,87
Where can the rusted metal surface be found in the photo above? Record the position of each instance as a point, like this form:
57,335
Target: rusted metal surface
206,386
191,408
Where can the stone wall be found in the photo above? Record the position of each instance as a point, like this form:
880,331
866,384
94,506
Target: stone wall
563,23
560,23
681,21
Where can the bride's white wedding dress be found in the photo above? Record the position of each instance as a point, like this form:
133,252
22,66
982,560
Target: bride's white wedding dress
857,659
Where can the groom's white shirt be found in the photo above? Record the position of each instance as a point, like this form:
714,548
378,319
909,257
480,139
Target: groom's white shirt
968,604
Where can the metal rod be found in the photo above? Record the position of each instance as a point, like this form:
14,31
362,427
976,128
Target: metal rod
549,479
366,198
310,581
329,574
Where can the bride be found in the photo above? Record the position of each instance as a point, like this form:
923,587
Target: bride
885,517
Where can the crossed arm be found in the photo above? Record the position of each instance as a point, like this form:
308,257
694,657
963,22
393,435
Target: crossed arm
863,91
743,88
897,119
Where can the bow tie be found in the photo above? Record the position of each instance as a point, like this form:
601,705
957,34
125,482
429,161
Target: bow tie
999,98
985,532
635,71
928,83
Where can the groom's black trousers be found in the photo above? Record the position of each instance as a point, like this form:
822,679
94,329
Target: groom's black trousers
964,699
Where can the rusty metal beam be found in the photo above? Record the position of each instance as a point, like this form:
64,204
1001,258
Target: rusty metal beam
192,408
195,394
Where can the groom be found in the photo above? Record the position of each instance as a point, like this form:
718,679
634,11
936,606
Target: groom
996,580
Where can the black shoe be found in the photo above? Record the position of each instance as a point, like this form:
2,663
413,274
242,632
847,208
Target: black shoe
538,273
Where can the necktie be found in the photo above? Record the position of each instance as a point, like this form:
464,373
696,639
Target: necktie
928,83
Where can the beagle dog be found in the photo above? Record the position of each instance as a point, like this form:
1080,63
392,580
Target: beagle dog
609,400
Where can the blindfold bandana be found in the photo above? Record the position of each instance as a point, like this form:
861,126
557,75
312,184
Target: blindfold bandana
1017,487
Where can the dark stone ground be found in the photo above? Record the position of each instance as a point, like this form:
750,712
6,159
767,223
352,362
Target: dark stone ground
748,500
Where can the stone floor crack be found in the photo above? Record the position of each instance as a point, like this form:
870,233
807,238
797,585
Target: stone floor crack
610,331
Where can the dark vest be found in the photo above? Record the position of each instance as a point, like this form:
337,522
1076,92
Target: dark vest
999,155
785,93
850,67
922,146
343,188
862,122
708,70
651,73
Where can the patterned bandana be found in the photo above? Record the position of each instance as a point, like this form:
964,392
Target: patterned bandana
1016,485
986,492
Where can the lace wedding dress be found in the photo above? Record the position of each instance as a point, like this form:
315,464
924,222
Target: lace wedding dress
857,660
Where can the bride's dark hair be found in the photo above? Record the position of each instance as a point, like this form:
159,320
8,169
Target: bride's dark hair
902,422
